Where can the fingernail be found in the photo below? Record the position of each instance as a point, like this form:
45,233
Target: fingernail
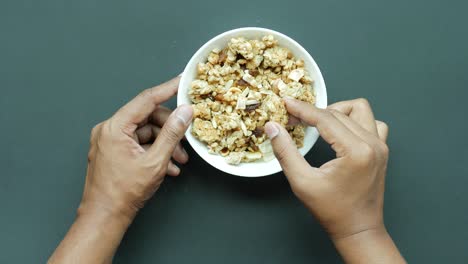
175,168
184,113
288,99
271,129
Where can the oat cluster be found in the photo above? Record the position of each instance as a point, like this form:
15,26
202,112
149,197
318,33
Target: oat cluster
239,89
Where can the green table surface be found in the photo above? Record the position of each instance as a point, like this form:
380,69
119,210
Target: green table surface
67,65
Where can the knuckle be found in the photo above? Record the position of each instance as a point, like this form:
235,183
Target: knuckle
382,125
171,132
147,93
159,168
90,155
106,128
94,130
368,152
93,140
303,112
281,153
362,102
385,151
364,155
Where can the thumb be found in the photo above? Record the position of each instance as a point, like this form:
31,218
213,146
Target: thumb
293,163
171,133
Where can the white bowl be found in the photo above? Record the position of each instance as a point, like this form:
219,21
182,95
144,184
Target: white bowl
260,167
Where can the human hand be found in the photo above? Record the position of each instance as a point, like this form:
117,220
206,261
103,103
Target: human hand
129,157
125,167
346,194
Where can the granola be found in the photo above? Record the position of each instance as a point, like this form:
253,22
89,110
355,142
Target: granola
239,89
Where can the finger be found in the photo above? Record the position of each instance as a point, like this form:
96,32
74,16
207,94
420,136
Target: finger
341,139
147,134
292,162
359,110
172,169
179,154
364,134
160,115
292,120
382,128
171,133
138,109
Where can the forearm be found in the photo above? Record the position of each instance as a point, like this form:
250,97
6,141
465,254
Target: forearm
370,246
93,238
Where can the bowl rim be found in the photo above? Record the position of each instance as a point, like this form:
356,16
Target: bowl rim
203,48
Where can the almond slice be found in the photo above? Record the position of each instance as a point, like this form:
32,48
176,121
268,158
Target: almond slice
296,74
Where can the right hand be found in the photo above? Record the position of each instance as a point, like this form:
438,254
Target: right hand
346,194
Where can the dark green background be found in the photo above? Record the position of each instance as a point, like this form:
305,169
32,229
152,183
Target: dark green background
67,65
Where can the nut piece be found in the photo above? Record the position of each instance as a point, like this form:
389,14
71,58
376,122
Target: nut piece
241,46
234,158
296,74
200,87
267,150
213,58
274,57
279,85
204,130
249,78
269,41
252,156
241,102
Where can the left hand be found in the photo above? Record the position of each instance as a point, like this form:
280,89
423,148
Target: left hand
130,155
125,166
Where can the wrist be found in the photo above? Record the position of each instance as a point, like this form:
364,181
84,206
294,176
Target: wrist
100,214
94,235
355,225
372,245
370,233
